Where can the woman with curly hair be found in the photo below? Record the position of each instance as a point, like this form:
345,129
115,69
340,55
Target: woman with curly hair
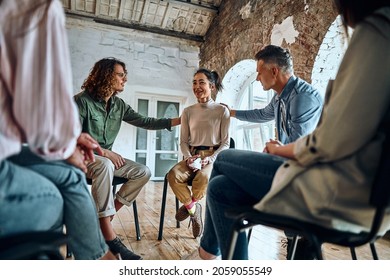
101,115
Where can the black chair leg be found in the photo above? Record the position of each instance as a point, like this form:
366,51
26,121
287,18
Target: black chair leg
238,226
353,253
68,252
373,251
162,212
135,210
249,234
318,247
136,221
291,252
177,209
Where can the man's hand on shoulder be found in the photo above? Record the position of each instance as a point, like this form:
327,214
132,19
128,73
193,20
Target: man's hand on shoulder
231,111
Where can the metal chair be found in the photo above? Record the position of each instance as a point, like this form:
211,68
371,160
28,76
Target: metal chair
37,245
117,181
164,199
247,217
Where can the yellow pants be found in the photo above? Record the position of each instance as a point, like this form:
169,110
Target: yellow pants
180,175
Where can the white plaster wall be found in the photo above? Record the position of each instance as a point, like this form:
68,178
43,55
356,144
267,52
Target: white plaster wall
284,31
152,60
157,65
329,56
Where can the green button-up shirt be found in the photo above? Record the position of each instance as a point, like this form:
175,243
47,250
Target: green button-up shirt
104,125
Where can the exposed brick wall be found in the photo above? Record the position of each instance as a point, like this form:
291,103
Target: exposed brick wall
236,35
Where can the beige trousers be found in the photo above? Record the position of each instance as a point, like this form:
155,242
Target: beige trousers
102,172
180,174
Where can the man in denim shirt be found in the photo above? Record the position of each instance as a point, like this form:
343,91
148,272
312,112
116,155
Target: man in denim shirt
101,115
296,106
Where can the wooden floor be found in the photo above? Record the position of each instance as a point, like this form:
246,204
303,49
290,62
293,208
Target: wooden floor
177,243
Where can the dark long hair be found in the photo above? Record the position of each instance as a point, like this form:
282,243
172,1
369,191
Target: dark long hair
354,11
100,80
212,76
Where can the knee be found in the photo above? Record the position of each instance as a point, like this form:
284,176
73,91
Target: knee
215,186
142,173
175,175
147,173
49,216
171,177
201,179
225,155
101,165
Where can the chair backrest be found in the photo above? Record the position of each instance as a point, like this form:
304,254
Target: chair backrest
380,193
115,181
119,180
232,143
33,245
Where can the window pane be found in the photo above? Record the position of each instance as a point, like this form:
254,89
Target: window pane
167,140
253,136
140,158
163,163
141,143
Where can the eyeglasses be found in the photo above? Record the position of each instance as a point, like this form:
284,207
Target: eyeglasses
121,74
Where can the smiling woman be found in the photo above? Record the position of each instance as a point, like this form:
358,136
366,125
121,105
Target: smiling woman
204,134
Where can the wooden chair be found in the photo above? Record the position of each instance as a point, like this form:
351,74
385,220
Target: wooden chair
164,199
247,218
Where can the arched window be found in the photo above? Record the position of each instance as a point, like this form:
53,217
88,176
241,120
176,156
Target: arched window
329,55
253,136
243,92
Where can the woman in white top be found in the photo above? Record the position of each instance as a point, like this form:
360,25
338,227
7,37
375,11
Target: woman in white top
204,134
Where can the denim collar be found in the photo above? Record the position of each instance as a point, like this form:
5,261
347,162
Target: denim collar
291,83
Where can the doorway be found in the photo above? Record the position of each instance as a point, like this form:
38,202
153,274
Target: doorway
158,149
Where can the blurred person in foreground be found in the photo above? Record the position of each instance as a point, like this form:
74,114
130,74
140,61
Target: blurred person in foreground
43,154
337,162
